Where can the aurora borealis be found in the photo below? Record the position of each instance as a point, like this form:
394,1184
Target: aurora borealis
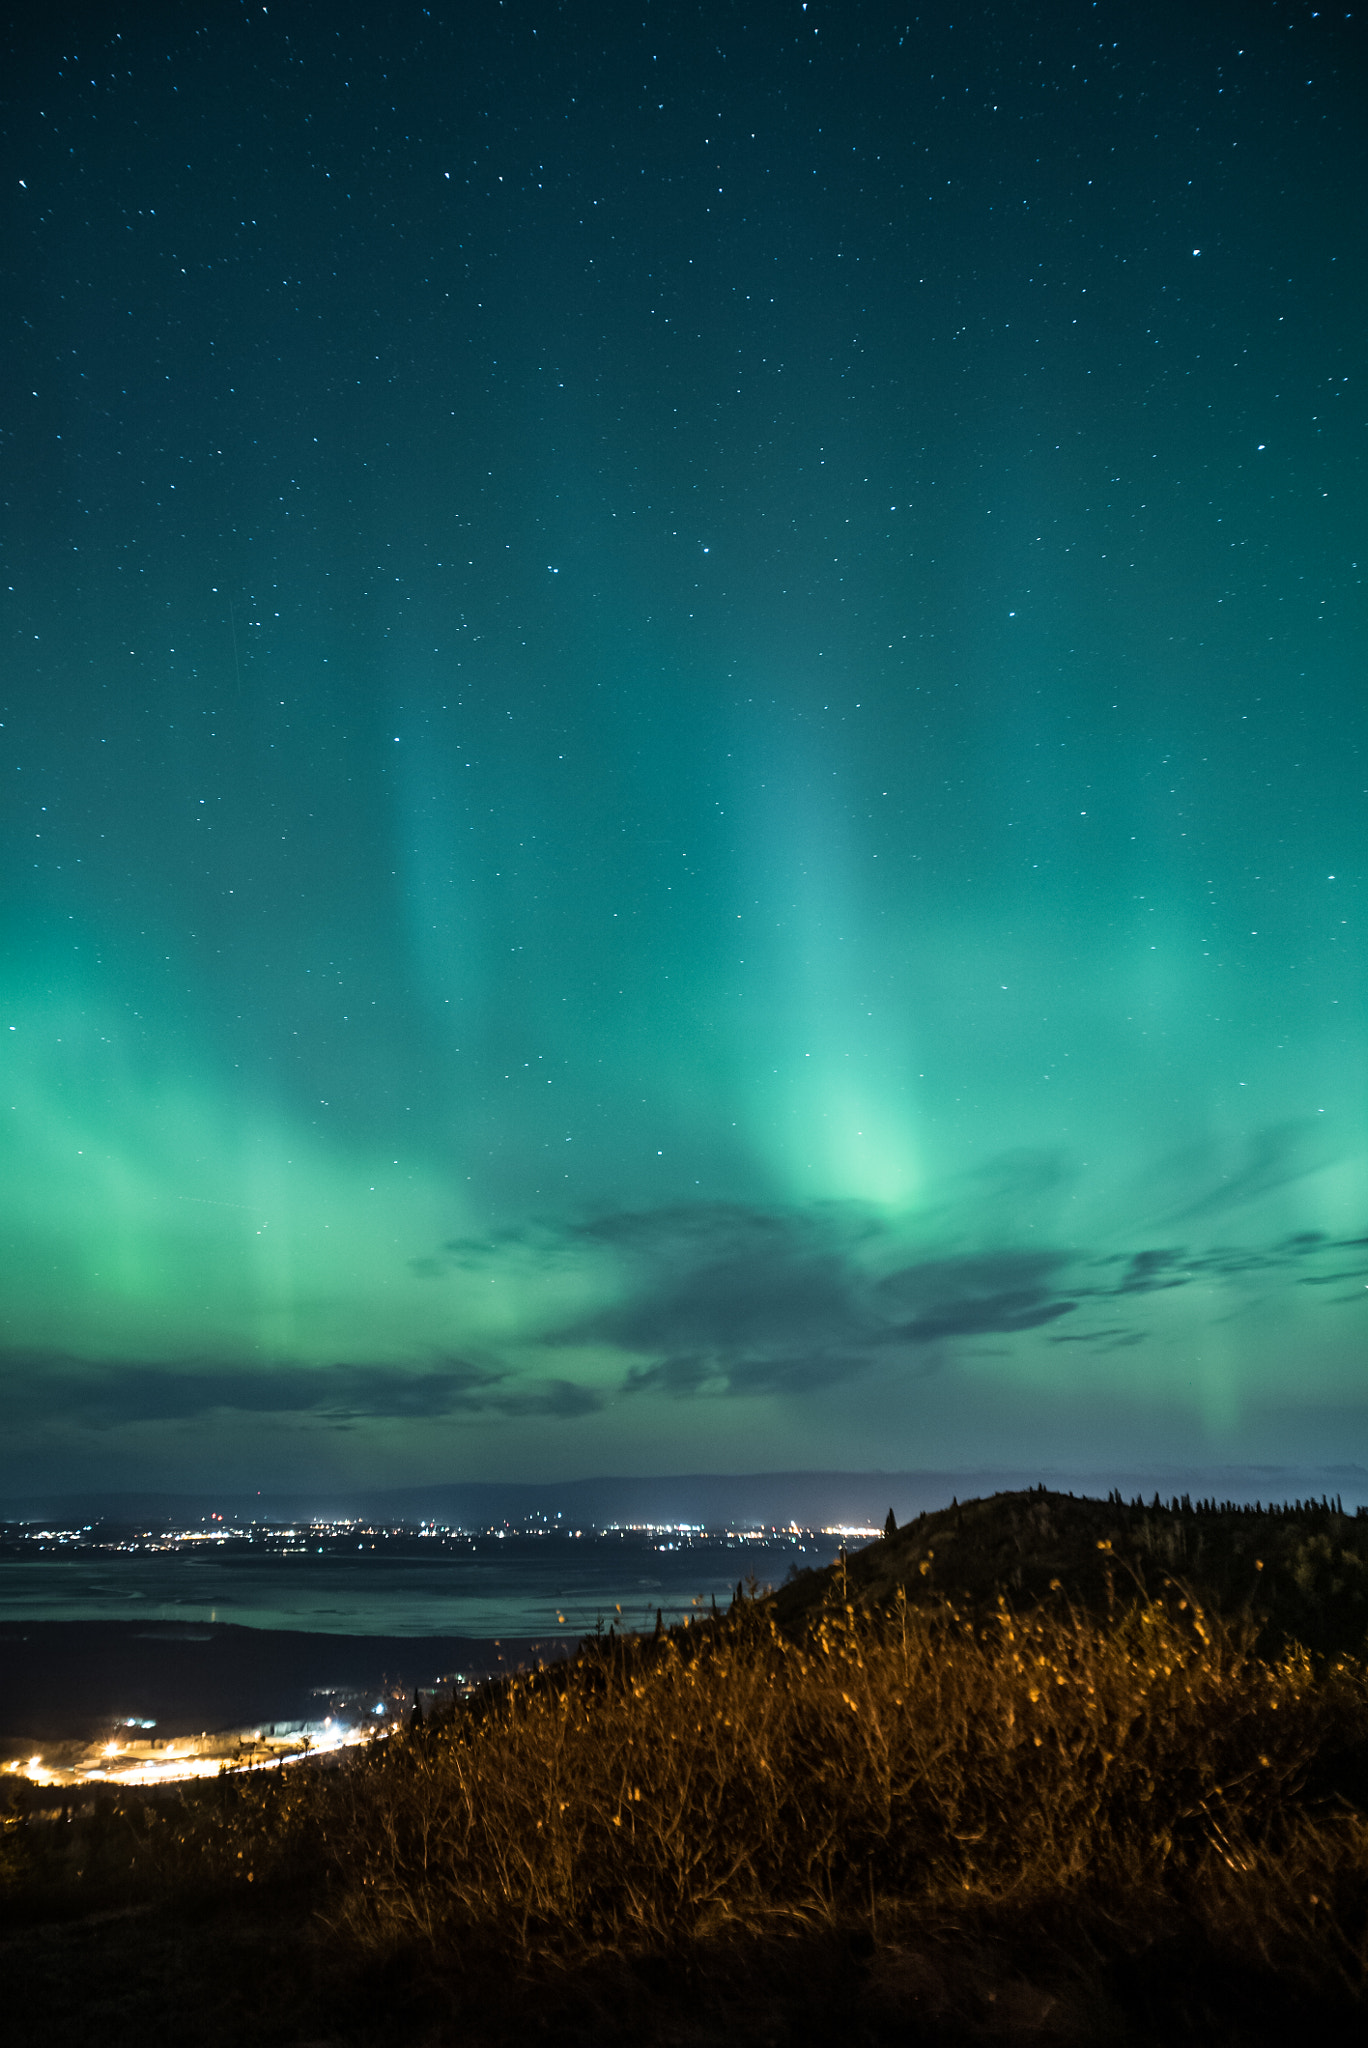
683,741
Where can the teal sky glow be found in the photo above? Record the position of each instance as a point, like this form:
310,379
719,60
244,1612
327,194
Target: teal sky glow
683,740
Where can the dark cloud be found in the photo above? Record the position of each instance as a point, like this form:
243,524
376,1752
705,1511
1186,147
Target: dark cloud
786,1298
1111,1339
731,1301
46,1387
722,1300
548,1397
1149,1272
720,1279
682,1377
727,1227
678,1377
994,1314
986,1294
802,1375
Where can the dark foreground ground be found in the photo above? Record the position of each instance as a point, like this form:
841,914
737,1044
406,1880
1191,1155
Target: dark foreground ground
258,1978
63,1681
1120,1828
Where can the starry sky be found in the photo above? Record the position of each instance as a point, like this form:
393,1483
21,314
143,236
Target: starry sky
683,721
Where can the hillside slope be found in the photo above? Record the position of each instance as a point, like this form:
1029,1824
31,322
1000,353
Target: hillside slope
1301,1572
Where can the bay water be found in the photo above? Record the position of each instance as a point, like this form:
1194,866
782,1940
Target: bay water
484,1586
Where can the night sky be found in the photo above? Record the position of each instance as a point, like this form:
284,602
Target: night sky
685,748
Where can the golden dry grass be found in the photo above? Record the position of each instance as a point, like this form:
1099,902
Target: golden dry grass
895,1782
651,1794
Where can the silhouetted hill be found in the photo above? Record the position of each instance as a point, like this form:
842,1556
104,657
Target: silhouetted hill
1300,1570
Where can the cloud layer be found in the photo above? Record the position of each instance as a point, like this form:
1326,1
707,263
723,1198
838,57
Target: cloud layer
731,1300
47,1387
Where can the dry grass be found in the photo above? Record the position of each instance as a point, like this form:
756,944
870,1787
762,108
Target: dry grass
1081,1789
644,1795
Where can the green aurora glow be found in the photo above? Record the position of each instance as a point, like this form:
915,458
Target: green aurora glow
684,769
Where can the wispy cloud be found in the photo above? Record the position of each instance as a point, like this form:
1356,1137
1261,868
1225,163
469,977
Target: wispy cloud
987,1294
1266,1161
801,1311
724,1300
46,1387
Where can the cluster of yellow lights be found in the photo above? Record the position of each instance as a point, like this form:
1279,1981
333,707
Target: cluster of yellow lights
116,1763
